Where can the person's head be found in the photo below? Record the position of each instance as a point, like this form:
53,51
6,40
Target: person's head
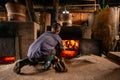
56,28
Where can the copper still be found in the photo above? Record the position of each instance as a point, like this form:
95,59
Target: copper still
105,28
15,11
66,18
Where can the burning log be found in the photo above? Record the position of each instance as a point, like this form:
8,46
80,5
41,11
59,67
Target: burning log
105,28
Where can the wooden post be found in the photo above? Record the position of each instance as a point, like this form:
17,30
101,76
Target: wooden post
55,10
30,10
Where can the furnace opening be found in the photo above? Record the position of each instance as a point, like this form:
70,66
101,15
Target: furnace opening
71,48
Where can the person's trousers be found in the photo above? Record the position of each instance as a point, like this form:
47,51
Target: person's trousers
35,61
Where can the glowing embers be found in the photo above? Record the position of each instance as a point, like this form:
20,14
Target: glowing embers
7,59
71,48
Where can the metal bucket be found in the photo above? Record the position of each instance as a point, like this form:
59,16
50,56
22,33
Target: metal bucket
16,12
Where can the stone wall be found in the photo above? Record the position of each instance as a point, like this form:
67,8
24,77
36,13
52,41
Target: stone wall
27,33
23,33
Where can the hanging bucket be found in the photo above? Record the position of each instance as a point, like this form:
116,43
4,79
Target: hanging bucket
16,12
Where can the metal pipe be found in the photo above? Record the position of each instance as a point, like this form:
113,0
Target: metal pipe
95,4
80,5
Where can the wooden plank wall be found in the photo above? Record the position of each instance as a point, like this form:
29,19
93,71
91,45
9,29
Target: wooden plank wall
79,18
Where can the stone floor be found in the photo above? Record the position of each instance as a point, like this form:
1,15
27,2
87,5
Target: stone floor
83,68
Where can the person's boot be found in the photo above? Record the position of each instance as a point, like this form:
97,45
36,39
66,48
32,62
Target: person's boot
17,67
47,64
20,64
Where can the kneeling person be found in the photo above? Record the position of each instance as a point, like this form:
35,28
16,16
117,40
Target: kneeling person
43,49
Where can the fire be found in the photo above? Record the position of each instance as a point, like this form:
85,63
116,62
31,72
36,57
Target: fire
71,44
68,54
7,59
71,48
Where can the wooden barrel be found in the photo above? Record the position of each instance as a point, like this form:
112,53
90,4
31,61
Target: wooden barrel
15,12
66,19
105,28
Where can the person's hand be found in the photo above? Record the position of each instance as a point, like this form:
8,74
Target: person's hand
64,48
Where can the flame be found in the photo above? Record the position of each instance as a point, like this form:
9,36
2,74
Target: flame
71,44
71,47
67,53
7,59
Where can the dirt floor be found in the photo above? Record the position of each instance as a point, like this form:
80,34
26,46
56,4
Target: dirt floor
82,68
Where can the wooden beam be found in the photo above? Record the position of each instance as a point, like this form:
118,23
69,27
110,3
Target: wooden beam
30,10
55,10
